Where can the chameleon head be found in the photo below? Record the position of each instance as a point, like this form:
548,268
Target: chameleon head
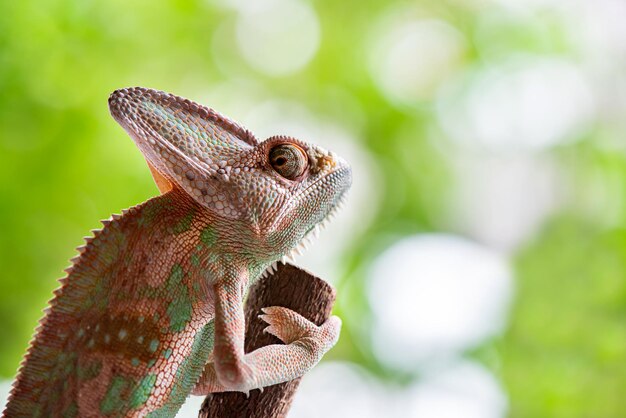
279,189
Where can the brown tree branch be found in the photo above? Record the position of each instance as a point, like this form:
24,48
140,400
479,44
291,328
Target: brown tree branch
292,288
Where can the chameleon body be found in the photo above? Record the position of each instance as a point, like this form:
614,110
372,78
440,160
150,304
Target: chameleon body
151,310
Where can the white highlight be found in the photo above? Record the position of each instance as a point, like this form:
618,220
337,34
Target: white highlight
191,407
339,390
277,37
411,59
433,297
526,103
492,194
5,390
465,390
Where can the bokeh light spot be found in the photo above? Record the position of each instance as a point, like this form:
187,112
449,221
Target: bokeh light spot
465,389
492,193
339,390
277,37
528,103
344,390
410,60
434,296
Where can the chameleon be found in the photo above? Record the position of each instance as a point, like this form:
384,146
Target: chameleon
151,309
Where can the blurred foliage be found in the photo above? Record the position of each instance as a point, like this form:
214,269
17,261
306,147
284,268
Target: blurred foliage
65,164
566,345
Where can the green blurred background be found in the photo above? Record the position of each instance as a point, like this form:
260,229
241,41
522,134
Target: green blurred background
487,138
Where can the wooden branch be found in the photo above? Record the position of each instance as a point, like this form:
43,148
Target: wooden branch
292,288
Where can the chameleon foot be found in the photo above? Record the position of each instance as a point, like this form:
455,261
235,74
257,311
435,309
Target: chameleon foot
290,326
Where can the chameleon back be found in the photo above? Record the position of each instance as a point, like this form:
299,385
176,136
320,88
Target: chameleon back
128,332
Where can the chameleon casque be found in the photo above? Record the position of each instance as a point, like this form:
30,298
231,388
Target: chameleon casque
151,310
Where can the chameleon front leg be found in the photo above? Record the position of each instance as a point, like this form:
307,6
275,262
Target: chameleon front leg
233,370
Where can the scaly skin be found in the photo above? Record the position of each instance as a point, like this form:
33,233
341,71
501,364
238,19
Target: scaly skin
152,308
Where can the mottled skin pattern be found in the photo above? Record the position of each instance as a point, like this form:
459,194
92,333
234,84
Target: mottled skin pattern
152,308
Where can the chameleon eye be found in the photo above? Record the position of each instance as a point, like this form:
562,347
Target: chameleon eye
288,160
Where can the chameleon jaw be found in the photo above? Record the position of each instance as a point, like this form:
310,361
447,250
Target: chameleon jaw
306,239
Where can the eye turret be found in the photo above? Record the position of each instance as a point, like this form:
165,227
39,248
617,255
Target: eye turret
290,161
